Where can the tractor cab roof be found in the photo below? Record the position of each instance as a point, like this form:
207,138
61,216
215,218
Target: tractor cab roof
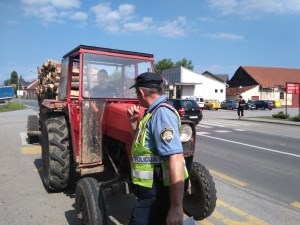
83,48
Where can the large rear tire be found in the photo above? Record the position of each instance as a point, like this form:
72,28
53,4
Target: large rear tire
55,153
32,125
90,204
200,195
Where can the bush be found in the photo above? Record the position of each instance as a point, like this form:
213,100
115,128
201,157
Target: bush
296,118
11,106
281,115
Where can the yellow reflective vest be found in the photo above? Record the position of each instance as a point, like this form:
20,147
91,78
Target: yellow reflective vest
143,159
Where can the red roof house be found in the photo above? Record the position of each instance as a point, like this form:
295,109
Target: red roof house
267,83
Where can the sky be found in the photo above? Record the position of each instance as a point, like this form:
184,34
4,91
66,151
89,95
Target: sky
216,35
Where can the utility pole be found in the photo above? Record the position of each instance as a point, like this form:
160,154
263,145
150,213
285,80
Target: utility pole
18,91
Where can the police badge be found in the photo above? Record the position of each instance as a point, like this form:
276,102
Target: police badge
167,134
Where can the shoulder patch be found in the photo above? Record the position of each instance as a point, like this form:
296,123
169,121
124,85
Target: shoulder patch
167,134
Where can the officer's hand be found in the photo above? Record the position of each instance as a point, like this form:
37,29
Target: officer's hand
133,117
133,113
175,216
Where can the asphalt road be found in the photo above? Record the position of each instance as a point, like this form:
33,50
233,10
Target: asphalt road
23,199
269,163
256,175
257,158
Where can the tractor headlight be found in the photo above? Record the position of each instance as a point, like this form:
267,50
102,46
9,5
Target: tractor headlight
186,132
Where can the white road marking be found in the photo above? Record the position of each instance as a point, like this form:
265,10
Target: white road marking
239,130
213,124
23,136
202,133
223,131
225,122
252,146
204,126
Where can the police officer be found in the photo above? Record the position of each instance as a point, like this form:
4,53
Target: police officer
158,168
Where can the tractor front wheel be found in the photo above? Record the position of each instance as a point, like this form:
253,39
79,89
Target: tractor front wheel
200,195
55,152
89,201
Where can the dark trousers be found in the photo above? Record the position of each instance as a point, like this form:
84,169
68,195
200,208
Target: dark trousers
240,111
151,207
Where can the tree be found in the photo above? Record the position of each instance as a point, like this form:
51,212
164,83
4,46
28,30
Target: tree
163,64
168,63
14,78
185,63
7,82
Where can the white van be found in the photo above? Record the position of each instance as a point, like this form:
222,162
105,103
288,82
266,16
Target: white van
199,100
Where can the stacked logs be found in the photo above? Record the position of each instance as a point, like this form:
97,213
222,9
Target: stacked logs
49,75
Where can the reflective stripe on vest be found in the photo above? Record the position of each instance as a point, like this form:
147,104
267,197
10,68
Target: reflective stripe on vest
148,159
144,161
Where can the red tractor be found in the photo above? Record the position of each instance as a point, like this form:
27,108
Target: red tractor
86,134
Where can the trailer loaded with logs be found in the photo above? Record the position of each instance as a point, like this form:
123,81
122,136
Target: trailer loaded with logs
94,145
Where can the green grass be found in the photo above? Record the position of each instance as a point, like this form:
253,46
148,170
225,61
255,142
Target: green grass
296,118
268,117
11,106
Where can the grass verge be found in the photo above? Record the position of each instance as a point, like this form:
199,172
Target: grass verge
295,118
11,106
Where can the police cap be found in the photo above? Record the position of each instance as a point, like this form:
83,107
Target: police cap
148,80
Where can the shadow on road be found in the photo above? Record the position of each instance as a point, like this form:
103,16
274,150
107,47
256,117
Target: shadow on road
118,207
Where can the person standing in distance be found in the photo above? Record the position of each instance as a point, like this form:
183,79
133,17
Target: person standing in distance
158,167
241,107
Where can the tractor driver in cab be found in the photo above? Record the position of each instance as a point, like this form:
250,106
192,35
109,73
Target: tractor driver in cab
102,89
158,167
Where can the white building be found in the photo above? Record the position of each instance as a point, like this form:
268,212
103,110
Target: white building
184,83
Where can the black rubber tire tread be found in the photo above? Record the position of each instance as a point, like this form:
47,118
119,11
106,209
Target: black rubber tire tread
55,153
32,125
202,201
90,203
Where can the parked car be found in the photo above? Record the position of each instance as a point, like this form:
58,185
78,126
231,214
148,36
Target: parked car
199,100
250,105
187,108
229,104
264,104
212,104
250,101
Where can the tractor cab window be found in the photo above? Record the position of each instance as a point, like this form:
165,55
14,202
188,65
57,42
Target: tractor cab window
110,76
62,94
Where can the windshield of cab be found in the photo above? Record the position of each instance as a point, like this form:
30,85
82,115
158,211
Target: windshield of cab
110,76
